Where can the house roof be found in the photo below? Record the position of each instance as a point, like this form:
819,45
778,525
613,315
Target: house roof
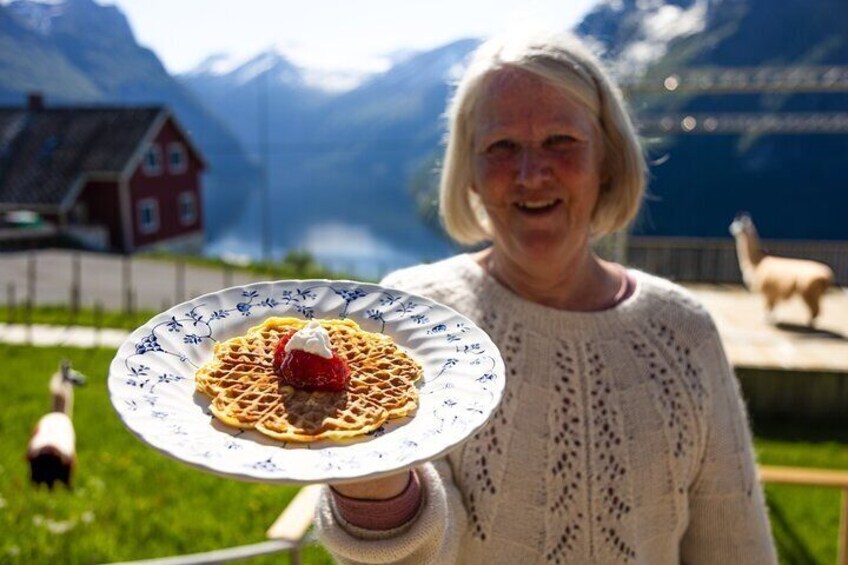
46,153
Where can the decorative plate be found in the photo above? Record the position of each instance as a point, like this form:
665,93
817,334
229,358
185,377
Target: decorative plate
151,381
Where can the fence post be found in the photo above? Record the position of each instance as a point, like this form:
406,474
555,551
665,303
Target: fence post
98,322
28,321
76,285
126,283
179,281
11,307
31,277
131,303
842,544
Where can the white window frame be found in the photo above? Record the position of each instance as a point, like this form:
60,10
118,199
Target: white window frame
152,169
153,225
177,148
187,197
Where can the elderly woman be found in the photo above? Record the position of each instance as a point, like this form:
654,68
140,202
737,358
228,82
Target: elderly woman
621,436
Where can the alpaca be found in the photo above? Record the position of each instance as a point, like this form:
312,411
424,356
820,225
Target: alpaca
52,448
778,278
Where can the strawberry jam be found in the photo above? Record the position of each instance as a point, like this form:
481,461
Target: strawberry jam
307,371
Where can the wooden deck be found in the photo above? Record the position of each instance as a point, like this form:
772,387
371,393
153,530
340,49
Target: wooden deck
787,343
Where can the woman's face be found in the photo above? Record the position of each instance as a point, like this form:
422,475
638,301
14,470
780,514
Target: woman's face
536,168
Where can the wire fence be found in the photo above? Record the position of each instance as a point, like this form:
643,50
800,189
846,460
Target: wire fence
94,284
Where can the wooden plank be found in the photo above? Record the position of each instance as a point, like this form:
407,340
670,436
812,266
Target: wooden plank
221,555
295,520
816,477
802,476
842,556
786,343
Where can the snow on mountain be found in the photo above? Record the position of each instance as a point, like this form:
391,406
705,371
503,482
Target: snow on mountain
282,70
37,16
660,24
270,63
633,34
291,66
335,80
217,64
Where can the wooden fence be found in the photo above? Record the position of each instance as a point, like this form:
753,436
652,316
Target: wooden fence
713,260
84,279
816,478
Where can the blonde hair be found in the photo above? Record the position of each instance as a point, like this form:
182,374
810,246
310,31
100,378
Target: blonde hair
566,63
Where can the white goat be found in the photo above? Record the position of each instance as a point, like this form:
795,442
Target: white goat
52,448
778,278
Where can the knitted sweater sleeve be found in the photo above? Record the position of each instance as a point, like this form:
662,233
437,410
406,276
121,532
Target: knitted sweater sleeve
432,537
727,521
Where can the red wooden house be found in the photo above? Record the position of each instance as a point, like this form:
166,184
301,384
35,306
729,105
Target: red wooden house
113,178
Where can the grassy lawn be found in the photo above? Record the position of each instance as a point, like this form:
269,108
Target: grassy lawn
62,316
805,520
131,503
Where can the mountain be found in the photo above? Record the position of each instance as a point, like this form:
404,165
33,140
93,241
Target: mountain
362,159
634,34
79,52
791,183
349,171
340,163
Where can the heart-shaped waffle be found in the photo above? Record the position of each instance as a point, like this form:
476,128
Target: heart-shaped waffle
246,391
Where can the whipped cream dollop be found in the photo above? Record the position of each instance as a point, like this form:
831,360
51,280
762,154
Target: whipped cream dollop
312,338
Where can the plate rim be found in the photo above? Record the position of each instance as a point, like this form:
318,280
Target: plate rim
328,477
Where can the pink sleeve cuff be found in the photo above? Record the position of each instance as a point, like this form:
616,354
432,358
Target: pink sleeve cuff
381,514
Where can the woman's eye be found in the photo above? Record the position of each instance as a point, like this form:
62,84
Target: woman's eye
559,141
502,148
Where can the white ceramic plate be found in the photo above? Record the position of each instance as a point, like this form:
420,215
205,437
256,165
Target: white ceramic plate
151,381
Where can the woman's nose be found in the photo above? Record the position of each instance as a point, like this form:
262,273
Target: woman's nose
533,167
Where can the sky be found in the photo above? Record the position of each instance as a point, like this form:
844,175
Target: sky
331,35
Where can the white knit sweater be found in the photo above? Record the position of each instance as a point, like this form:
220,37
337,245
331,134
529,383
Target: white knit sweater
621,438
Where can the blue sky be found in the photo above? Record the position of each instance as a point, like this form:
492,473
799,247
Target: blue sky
355,35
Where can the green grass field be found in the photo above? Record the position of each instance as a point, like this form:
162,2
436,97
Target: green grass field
61,316
804,520
128,501
132,503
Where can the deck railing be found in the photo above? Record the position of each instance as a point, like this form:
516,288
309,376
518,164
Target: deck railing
816,478
713,260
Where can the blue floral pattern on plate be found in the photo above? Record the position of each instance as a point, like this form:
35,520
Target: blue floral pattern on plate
151,381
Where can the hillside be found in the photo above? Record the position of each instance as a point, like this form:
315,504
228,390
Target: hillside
340,161
792,184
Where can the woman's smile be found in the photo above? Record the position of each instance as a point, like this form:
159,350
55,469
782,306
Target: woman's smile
538,207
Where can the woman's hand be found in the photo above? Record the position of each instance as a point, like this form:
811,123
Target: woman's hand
375,489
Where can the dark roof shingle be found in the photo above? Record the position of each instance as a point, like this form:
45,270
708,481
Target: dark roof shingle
44,152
